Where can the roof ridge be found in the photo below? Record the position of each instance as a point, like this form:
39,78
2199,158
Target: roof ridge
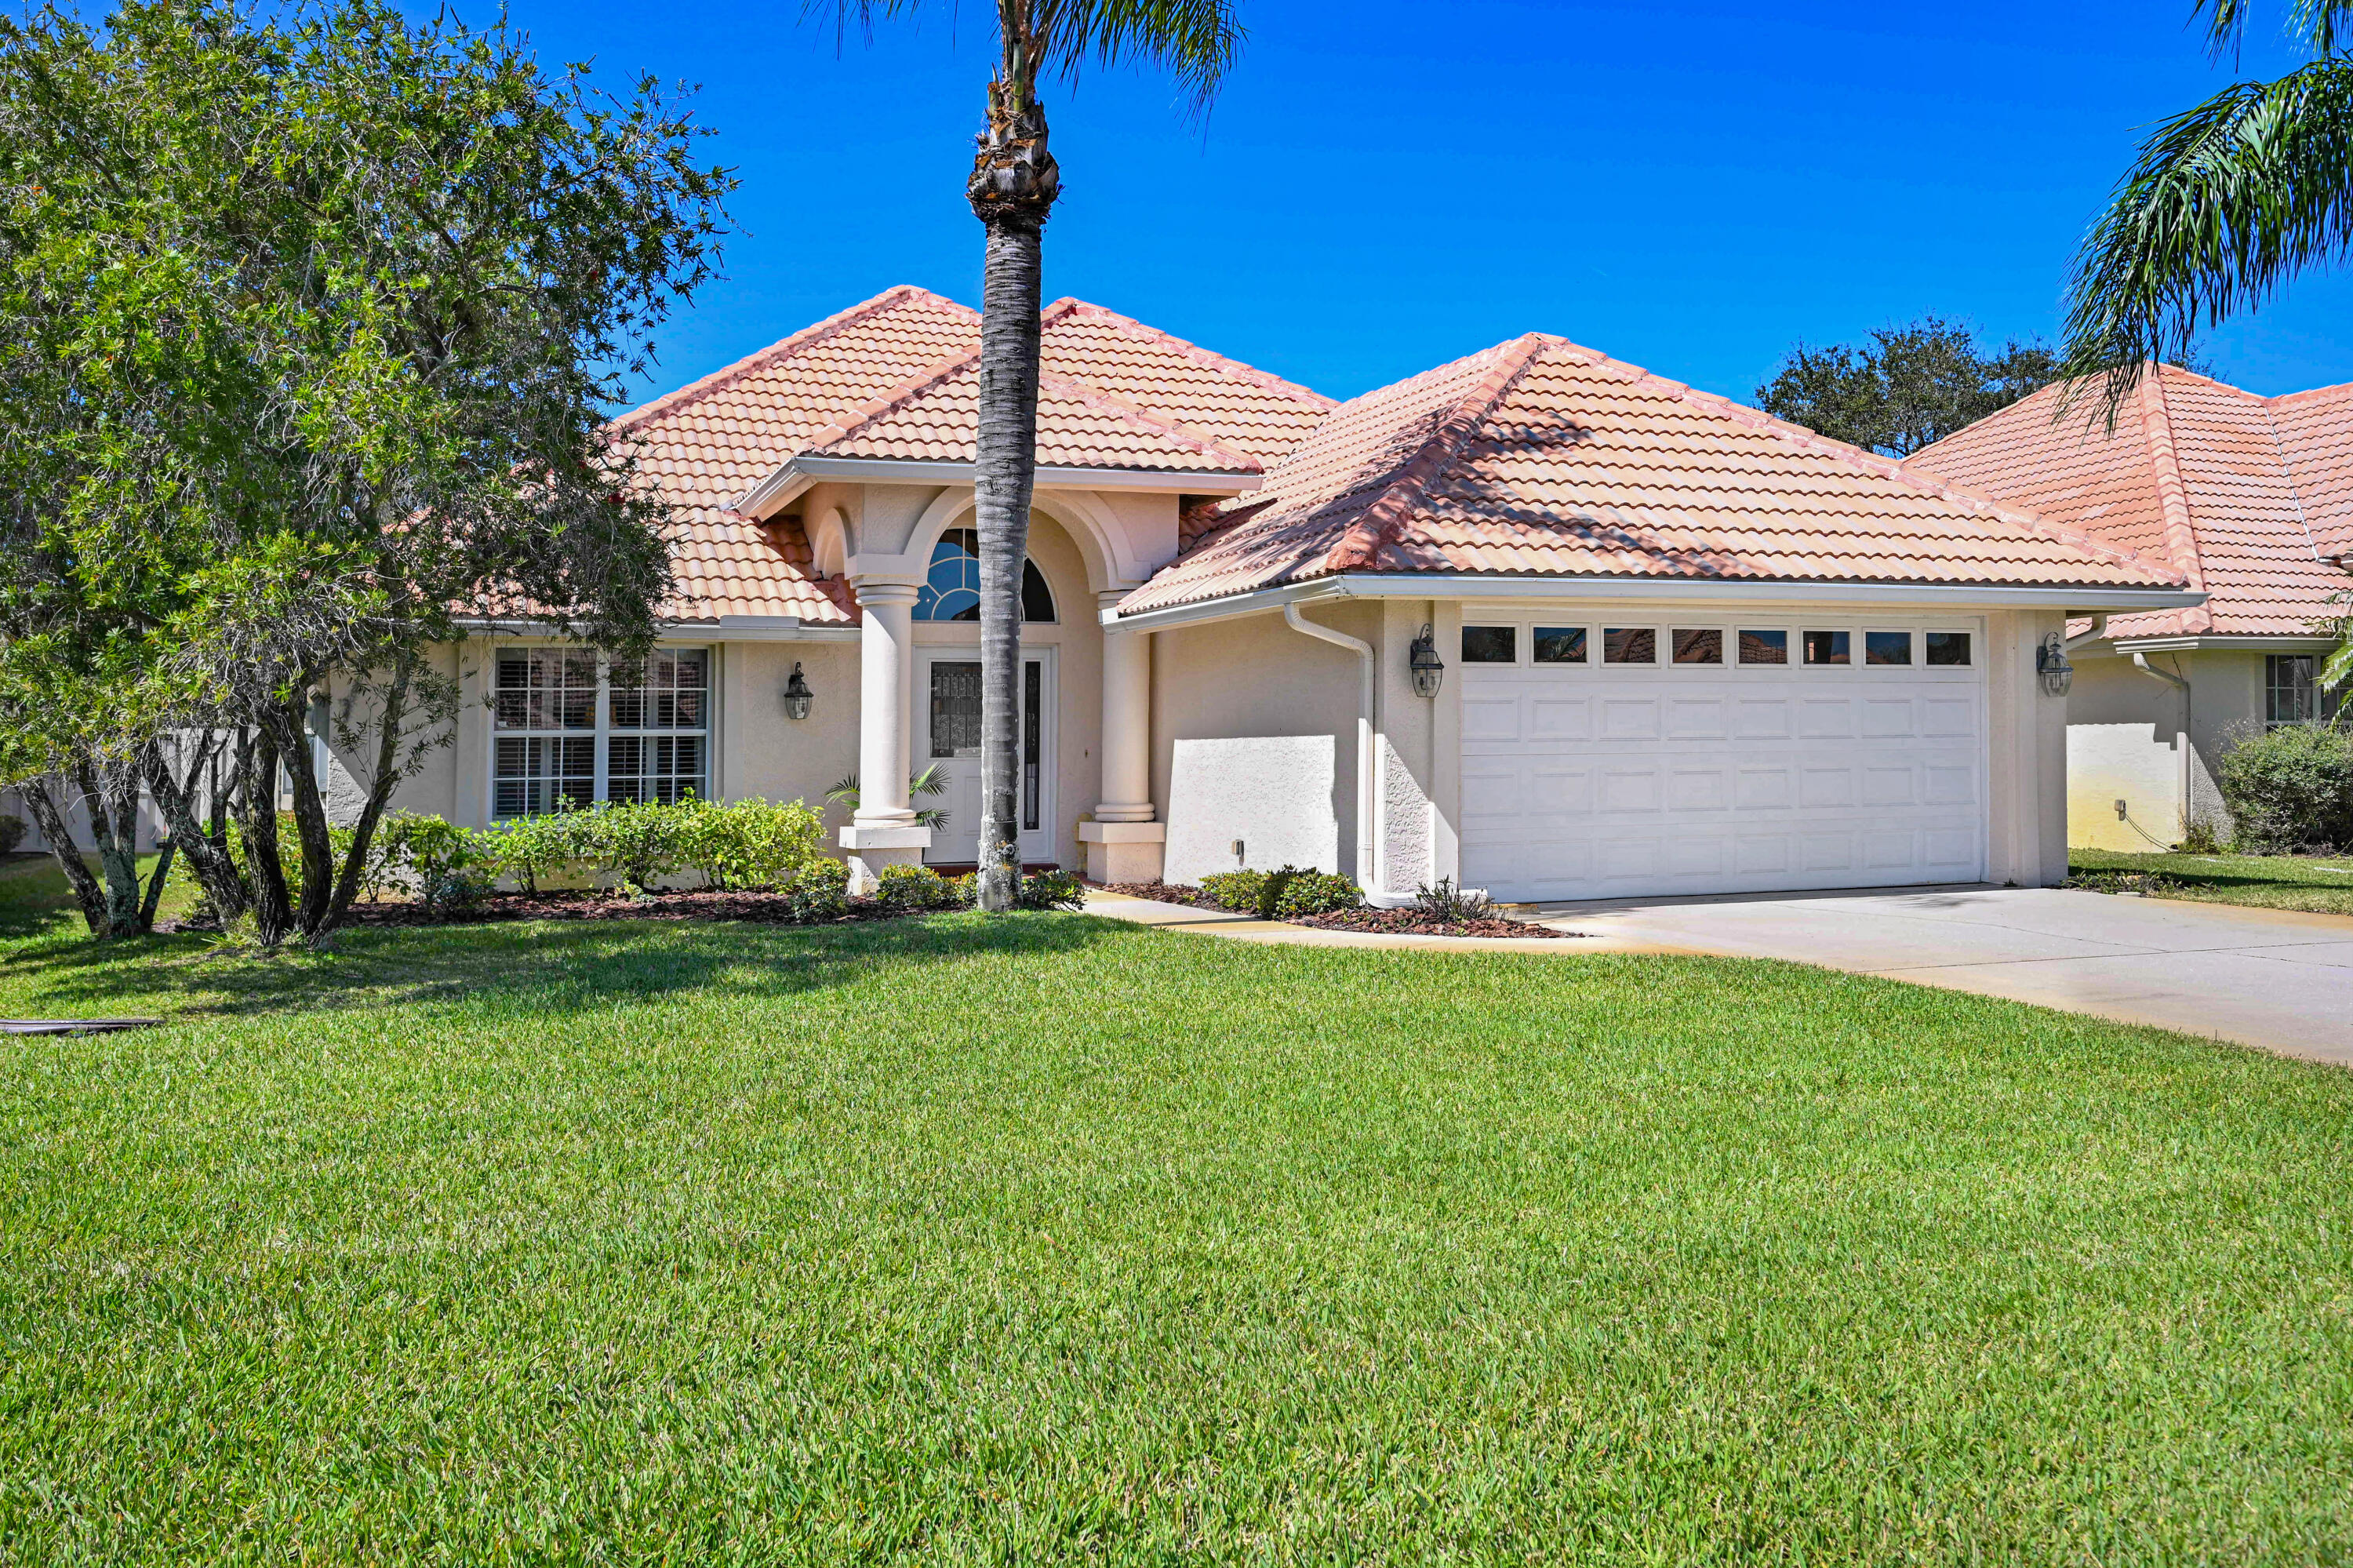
1069,305
785,348
2279,398
2172,494
1377,526
1168,424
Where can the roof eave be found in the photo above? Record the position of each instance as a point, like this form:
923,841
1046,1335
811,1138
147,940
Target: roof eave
2075,600
797,473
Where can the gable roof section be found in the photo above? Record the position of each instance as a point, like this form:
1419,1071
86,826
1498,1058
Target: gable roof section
896,376
1539,458
2249,497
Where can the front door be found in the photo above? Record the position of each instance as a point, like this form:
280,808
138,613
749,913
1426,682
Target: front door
948,688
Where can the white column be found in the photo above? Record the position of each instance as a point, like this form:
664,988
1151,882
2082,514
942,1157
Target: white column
883,831
1124,843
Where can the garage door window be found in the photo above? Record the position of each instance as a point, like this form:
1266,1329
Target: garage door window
1491,645
1763,647
1826,648
1948,648
1887,648
1630,645
1699,647
1560,645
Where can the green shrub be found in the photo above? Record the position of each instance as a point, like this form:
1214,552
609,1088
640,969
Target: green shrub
1235,889
820,891
526,849
12,833
1050,890
632,844
1315,892
2289,787
750,843
456,888
1451,904
907,888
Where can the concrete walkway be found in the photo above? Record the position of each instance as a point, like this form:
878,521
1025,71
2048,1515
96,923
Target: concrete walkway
2259,976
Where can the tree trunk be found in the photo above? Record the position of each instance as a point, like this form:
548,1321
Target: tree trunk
208,857
112,792
289,727
257,820
380,788
156,879
51,820
1013,185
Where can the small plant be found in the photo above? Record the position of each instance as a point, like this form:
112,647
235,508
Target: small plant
12,833
930,781
2202,836
1315,892
1235,889
455,890
819,891
1050,890
1444,901
2154,884
963,892
907,888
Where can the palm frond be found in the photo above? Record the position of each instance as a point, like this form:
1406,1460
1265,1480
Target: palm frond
2226,204
2316,24
1196,41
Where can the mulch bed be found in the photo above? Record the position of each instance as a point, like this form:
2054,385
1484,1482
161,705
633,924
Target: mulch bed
768,908
1375,922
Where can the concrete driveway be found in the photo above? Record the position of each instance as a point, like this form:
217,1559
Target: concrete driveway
2283,981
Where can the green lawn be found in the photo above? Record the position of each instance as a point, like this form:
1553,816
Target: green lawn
1049,1238
2267,881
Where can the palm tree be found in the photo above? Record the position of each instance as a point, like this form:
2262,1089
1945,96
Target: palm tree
2226,204
1013,186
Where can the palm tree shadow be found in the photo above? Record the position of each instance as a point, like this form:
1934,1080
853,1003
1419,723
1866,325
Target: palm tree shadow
553,968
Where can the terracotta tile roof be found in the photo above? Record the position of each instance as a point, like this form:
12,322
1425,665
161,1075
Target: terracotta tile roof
1540,458
2245,494
895,376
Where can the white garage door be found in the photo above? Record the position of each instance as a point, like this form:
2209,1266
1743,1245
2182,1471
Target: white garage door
1614,759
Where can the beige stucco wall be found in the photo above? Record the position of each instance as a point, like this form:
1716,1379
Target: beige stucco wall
1273,700
2128,741
2026,745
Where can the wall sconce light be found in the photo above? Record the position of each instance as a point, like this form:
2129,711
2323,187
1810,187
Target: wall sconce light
1428,669
798,696
2051,663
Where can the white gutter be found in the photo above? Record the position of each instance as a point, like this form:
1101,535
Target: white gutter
2099,629
1367,830
1715,590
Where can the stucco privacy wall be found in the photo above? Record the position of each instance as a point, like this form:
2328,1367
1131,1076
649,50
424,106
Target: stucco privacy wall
1269,700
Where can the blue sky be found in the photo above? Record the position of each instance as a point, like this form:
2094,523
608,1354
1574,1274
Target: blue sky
1383,186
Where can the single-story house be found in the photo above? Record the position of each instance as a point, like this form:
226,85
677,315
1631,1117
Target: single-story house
2251,499
1537,620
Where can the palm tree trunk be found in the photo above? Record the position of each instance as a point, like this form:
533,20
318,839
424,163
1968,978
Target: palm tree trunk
1013,185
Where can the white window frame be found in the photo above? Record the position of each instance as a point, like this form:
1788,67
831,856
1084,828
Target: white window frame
1524,625
603,731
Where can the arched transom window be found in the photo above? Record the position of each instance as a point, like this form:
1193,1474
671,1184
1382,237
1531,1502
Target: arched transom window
952,591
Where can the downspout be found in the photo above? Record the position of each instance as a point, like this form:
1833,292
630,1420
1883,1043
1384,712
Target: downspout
1366,829
2188,751
2099,629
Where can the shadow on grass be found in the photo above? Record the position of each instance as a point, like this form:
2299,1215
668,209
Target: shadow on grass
554,967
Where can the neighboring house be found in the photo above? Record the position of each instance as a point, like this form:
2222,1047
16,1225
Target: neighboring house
2250,498
1680,646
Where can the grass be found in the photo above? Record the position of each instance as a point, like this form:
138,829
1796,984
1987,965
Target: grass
1051,1239
2264,881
